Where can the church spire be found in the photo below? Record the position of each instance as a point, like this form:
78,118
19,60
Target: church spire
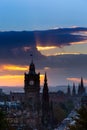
45,80
82,82
68,90
45,90
45,103
73,90
81,88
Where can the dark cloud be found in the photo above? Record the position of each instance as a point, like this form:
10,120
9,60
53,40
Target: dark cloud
68,61
61,66
19,56
65,66
16,39
12,43
59,37
55,37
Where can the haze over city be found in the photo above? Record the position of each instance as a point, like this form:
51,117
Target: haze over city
55,32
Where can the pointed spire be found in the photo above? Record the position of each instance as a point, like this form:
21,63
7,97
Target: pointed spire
45,102
32,67
45,79
81,88
82,82
45,88
73,90
68,90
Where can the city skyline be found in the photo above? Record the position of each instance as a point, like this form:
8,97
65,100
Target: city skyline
58,46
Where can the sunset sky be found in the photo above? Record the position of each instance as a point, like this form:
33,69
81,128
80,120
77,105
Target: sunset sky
54,31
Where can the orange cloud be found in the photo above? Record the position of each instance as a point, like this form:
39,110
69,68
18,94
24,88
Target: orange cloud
77,80
47,50
67,53
13,67
40,48
46,68
81,42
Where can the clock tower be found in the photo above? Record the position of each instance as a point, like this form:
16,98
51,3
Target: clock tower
32,89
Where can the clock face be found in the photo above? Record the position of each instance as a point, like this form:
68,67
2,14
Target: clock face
31,82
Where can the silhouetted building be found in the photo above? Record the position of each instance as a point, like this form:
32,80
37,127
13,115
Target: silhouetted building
74,90
81,88
32,94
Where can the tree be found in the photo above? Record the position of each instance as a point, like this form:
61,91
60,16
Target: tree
3,121
59,114
4,124
80,120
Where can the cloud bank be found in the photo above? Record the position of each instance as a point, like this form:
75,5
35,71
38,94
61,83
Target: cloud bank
16,47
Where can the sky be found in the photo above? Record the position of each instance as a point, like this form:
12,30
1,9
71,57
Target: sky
45,14
54,31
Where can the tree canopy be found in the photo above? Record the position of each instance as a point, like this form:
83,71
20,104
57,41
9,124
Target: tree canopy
80,120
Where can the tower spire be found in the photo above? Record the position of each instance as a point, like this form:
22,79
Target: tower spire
31,55
45,79
32,66
73,90
81,88
45,103
68,90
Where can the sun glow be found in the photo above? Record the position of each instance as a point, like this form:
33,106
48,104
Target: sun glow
9,75
11,80
74,49
14,67
40,48
41,79
15,80
8,78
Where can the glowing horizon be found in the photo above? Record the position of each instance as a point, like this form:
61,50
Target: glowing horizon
15,80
